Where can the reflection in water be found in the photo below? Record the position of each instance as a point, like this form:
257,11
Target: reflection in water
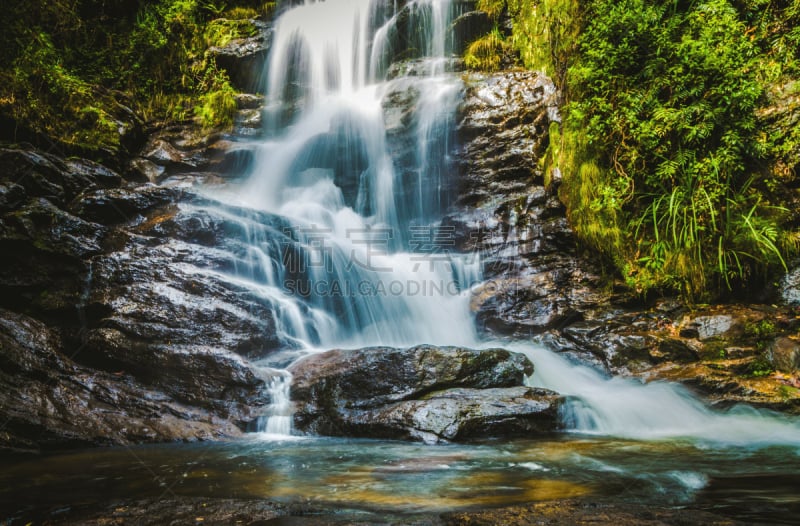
403,477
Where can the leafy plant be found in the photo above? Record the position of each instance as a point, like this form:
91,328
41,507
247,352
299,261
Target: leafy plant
760,367
546,33
70,68
762,332
666,102
487,52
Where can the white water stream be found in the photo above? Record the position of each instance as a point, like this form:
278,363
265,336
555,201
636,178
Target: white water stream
362,270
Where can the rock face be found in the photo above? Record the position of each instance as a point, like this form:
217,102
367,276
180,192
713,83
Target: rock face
181,150
536,280
539,286
503,132
784,354
422,393
48,400
121,318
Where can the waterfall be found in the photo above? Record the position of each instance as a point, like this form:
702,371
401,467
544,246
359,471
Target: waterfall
367,260
277,420
358,258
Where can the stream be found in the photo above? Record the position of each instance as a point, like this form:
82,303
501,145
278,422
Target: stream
366,263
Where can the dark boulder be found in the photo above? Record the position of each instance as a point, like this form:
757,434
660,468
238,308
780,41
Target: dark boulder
49,401
422,393
457,415
122,205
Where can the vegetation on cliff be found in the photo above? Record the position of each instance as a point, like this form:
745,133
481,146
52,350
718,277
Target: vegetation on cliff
78,72
669,163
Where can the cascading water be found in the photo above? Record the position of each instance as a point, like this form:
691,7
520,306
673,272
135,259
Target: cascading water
326,167
277,419
339,244
354,266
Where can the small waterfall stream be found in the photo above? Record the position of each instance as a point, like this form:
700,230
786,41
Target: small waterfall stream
351,268
277,420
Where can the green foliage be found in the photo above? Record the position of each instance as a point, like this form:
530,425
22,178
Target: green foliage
668,167
665,98
217,106
221,31
545,33
43,91
493,8
787,392
760,367
486,53
762,332
70,68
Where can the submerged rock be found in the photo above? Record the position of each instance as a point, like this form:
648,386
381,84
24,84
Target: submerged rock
422,393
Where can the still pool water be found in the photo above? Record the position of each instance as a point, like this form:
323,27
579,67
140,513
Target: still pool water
751,484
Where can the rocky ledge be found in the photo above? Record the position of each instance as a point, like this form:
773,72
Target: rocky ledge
119,320
433,394
539,286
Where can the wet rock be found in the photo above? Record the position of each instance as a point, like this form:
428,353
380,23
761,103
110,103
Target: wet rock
187,151
624,342
249,101
144,170
536,280
724,383
735,366
422,393
248,122
92,173
51,229
48,401
163,153
376,375
149,328
44,175
784,354
525,305
43,268
11,196
244,58
503,131
191,373
457,415
706,327
422,67
167,272
122,205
